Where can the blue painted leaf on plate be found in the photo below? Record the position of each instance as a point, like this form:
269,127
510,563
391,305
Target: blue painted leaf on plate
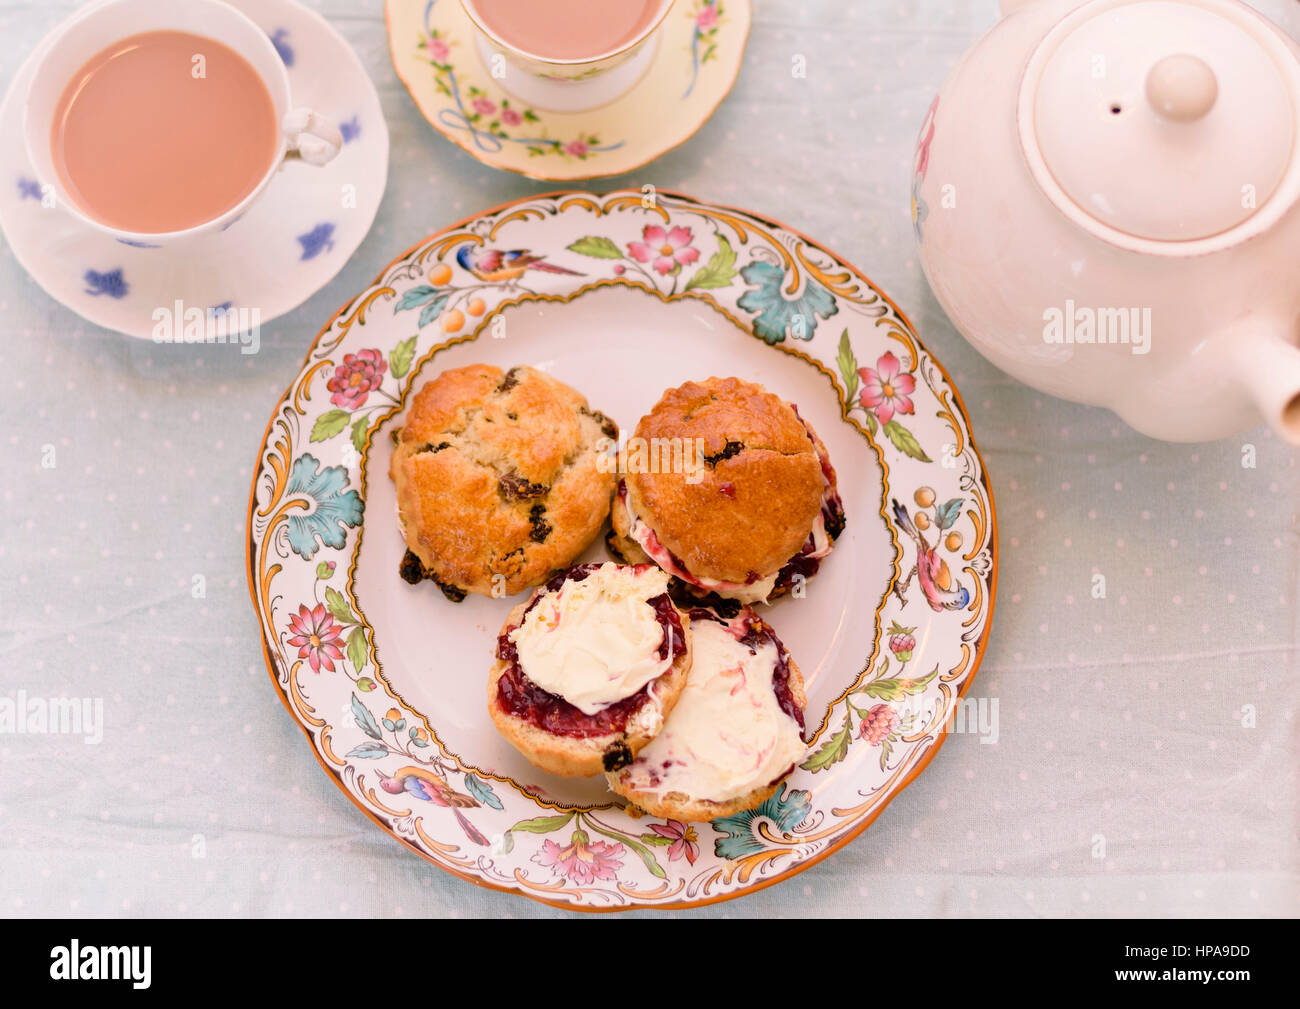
482,791
365,720
368,751
948,513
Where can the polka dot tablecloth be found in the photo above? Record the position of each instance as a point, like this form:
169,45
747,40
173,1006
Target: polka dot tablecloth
1147,742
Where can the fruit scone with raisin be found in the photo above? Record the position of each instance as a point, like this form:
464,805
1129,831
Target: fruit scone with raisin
589,667
736,732
758,509
499,480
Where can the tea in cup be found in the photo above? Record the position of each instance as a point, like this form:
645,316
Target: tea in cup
559,42
171,130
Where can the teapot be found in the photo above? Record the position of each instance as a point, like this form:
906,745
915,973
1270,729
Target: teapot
1106,198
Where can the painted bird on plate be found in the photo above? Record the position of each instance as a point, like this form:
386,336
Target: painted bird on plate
496,266
941,591
432,787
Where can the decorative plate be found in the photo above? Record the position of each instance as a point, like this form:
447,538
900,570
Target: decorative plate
388,680
698,56
287,246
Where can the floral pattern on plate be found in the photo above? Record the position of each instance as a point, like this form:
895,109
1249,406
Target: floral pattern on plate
784,291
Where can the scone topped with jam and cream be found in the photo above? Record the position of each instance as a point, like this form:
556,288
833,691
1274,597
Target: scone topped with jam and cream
736,732
588,669
754,510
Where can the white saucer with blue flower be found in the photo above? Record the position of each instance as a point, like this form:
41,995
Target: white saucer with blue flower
270,258
620,297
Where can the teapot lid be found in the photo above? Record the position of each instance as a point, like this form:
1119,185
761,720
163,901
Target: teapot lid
1164,120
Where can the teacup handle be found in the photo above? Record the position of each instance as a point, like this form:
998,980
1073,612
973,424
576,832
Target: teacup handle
311,136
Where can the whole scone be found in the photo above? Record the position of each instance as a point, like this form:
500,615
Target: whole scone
589,667
736,731
498,478
758,507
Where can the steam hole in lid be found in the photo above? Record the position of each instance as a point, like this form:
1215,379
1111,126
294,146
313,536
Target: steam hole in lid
1116,109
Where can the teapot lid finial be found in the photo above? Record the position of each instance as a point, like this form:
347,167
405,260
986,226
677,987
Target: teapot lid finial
1163,120
1182,87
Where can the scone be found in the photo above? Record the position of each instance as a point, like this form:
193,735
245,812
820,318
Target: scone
500,481
588,669
736,732
758,511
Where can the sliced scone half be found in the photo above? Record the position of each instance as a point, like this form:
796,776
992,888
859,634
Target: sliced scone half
736,732
589,668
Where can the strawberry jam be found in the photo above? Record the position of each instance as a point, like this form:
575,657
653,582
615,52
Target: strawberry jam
753,633
519,696
801,564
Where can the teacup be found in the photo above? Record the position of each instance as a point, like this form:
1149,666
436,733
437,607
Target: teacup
302,134
571,83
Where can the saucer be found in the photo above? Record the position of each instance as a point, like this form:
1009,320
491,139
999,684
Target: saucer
288,245
646,107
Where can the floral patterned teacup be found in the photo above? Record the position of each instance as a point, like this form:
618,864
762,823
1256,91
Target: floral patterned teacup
553,83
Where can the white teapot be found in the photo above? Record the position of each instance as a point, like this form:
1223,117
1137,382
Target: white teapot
1107,201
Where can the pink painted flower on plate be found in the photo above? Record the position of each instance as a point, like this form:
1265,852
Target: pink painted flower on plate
902,645
317,637
438,50
510,117
668,250
683,837
358,376
902,641
878,724
582,860
886,388
483,106
577,148
707,18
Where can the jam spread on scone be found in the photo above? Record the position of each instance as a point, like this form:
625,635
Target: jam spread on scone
827,526
737,727
582,659
760,635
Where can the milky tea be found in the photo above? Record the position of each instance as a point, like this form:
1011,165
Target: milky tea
567,29
163,131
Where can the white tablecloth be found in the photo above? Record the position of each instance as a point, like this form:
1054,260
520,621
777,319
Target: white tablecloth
1123,783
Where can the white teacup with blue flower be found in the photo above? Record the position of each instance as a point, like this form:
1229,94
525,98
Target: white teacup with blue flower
173,128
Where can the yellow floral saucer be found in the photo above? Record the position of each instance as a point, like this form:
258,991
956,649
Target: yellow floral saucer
692,67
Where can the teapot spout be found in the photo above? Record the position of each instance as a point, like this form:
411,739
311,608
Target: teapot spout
1269,369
